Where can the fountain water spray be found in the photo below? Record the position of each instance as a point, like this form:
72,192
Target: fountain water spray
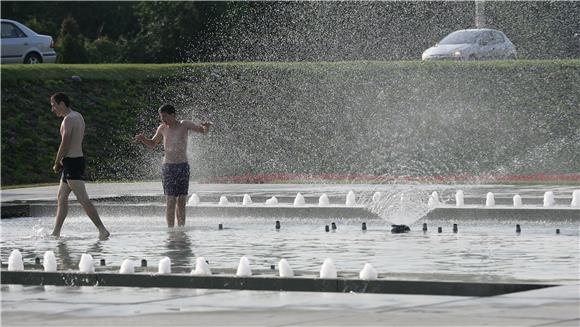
549,199
201,267
350,199
459,198
223,200
517,201
244,269
575,199
433,200
489,200
368,272
285,269
328,270
86,264
299,200
247,200
15,262
193,200
164,266
49,261
272,201
127,267
323,200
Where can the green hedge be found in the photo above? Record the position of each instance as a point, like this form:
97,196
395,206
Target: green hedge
382,118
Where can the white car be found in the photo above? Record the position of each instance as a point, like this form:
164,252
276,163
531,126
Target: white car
472,44
21,45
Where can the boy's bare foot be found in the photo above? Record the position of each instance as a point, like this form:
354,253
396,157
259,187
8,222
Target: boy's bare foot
104,235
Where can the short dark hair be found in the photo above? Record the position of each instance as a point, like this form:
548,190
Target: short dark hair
167,108
59,97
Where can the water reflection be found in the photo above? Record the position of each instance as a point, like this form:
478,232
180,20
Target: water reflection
63,254
178,245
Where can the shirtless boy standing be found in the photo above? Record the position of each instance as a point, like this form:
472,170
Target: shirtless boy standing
175,170
71,161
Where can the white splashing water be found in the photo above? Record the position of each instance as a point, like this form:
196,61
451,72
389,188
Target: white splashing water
247,200
49,261
549,200
223,200
459,198
433,200
201,267
284,269
127,267
401,206
377,196
15,262
350,198
165,266
86,265
517,201
323,200
489,199
299,200
575,199
193,200
244,268
368,272
272,201
328,270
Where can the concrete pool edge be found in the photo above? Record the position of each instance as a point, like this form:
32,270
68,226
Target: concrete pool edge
268,283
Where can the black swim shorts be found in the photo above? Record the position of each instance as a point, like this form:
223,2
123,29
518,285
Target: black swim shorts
73,168
175,178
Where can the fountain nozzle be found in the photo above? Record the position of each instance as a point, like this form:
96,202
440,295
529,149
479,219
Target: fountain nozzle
398,229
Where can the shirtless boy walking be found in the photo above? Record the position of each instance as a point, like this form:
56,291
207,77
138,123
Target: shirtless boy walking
175,170
71,161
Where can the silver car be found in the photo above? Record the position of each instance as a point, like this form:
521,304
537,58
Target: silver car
20,45
472,44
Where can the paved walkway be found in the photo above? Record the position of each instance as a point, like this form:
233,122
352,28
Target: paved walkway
104,306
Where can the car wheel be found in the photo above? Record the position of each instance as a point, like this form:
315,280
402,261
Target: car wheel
472,57
33,58
512,57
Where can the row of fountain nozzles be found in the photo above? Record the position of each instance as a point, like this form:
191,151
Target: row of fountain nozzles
549,200
299,200
86,265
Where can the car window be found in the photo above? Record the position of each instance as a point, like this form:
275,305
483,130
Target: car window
10,30
497,37
486,38
460,37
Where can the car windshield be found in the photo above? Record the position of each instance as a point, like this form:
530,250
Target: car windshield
460,37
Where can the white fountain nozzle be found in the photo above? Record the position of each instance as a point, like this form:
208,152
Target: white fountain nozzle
127,267
201,267
87,264
49,261
517,201
489,200
285,269
549,200
368,272
299,200
165,266
350,198
247,200
224,200
193,200
328,270
15,262
459,202
244,268
323,200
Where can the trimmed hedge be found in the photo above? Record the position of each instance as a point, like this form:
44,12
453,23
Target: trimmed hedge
379,118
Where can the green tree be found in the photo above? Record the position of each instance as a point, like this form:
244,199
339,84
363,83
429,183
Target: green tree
70,45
